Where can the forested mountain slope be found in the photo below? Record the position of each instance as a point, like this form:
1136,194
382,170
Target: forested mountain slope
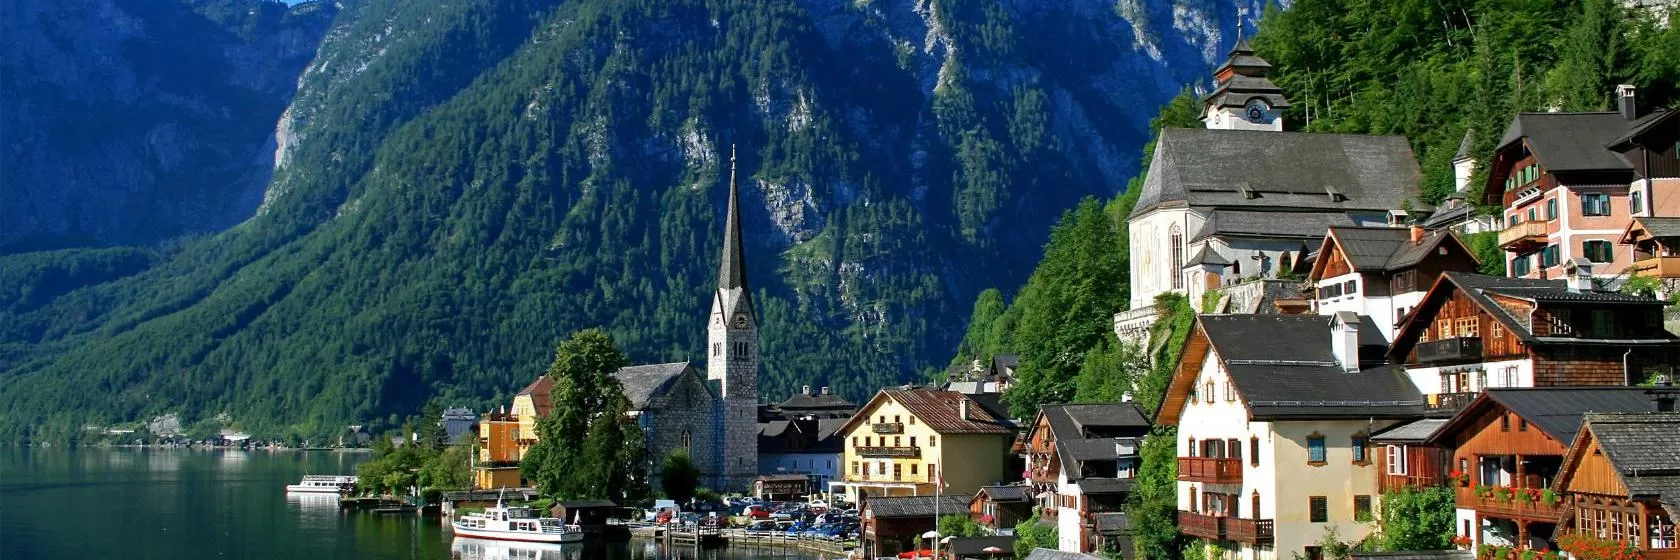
461,183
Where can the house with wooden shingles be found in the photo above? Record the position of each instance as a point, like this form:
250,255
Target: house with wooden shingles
1621,481
906,440
1510,446
1274,416
1082,460
1382,272
1473,332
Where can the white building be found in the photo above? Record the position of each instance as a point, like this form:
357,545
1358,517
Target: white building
1382,272
1274,415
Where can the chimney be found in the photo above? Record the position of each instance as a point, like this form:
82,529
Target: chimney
1663,393
963,408
1417,234
1624,102
825,390
807,391
1578,275
1344,339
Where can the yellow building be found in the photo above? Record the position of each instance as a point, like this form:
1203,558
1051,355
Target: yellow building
904,440
504,437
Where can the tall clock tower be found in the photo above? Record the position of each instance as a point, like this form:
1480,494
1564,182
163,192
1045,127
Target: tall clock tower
732,354
1244,98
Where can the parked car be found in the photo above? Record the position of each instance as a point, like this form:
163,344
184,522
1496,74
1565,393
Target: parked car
756,512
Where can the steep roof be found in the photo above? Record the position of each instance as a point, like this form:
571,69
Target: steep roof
1566,142
732,264
1272,225
1283,368
1295,171
1654,227
1206,257
1007,493
939,410
1556,411
828,401
1642,126
916,506
1643,448
1382,248
1077,431
541,392
1416,431
643,383
1479,289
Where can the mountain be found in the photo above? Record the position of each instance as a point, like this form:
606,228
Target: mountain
132,121
460,184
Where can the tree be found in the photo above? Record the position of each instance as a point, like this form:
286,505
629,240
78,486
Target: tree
588,447
679,478
450,468
960,525
431,434
1031,534
1417,519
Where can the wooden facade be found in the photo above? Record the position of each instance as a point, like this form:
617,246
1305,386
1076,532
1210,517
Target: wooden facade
1510,466
1460,317
1411,465
1599,504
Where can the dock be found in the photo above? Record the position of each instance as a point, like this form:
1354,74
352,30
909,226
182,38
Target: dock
707,537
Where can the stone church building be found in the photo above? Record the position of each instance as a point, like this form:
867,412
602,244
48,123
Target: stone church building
713,418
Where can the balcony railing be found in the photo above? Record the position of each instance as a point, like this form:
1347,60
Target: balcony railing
1452,401
1461,349
1204,469
1522,237
887,428
899,452
1660,267
1494,502
1250,531
889,477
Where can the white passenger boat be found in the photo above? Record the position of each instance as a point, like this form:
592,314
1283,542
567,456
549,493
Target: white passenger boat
515,524
323,484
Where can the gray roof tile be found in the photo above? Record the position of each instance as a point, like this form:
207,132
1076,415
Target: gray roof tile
1558,411
643,383
1283,368
916,506
1567,142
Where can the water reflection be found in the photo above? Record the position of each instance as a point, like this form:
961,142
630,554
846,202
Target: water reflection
467,548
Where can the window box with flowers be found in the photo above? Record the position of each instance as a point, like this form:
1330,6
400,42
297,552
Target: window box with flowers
1459,478
1462,542
1588,547
1484,491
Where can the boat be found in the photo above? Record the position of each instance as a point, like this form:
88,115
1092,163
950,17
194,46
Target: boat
323,484
516,524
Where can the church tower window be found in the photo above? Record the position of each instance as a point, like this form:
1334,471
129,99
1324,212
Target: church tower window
687,442
1175,241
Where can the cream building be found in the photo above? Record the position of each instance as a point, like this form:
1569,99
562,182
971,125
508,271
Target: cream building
1274,415
904,441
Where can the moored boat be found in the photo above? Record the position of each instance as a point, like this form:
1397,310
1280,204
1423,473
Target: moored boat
323,484
515,524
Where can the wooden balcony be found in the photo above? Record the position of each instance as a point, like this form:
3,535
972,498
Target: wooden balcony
1516,508
1451,401
1198,525
1523,237
1450,350
890,452
887,428
1250,531
1659,267
1204,469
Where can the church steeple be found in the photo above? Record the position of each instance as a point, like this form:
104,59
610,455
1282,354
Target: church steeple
732,265
1244,98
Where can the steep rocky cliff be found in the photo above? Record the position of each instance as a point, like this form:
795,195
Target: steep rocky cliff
131,122
461,183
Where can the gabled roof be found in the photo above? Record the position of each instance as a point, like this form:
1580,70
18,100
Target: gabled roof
916,506
1480,289
541,392
1642,448
1642,126
1416,431
1206,257
1291,171
1565,142
1283,368
940,411
1006,494
1645,228
1383,249
801,401
1073,428
1556,411
645,382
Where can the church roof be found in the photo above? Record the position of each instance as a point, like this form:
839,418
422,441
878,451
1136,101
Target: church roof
541,392
732,265
643,383
1271,225
1279,171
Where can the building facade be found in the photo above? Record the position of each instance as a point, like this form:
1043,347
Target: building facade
907,441
1082,461
1382,272
1621,481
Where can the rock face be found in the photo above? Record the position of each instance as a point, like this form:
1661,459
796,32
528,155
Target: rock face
456,185
131,122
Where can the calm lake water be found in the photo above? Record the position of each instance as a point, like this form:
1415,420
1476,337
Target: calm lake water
168,503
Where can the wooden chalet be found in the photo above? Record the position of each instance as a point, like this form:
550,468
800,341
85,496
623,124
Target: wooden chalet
1081,461
1407,459
1473,332
1621,481
1001,507
1510,446
1381,272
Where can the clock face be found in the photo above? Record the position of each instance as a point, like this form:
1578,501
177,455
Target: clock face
1256,112
740,321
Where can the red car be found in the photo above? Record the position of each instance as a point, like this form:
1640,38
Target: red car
756,512
664,516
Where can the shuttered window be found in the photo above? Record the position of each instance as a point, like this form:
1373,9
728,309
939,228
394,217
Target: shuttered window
1319,508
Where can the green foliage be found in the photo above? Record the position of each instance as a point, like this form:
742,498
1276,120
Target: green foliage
1417,519
589,447
678,478
1332,546
450,468
1031,534
1485,246
960,525
1641,285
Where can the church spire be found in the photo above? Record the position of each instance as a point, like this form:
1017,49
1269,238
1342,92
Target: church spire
732,266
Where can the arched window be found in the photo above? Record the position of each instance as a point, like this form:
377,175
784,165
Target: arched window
1175,240
687,442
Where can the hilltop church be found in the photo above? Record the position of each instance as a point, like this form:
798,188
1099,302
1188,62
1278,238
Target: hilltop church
715,418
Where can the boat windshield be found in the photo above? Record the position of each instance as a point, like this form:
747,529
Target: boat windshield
520,513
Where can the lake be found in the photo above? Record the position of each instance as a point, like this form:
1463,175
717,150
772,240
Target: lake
179,503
